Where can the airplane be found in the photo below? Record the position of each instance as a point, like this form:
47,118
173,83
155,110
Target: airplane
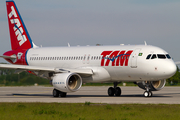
68,67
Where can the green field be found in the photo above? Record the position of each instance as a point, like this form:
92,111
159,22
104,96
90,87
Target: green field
88,111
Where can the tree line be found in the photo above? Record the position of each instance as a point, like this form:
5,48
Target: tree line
9,78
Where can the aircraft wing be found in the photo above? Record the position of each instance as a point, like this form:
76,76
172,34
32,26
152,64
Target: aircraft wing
46,69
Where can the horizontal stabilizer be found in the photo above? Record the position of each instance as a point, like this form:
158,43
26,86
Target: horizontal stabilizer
9,57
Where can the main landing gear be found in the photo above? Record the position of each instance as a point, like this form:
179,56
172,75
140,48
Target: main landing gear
114,91
148,92
57,93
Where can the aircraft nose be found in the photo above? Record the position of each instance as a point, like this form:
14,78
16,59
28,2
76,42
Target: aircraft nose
171,69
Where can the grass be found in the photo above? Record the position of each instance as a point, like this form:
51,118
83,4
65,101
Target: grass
88,111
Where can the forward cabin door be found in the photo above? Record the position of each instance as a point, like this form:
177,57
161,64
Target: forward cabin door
134,58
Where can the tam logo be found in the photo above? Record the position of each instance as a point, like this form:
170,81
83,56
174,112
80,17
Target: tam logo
17,29
117,58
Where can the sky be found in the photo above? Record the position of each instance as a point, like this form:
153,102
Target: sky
91,22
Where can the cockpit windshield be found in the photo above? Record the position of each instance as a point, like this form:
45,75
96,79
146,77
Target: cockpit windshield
159,56
148,56
167,55
154,56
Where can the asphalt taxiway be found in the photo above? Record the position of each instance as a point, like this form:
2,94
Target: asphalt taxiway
168,95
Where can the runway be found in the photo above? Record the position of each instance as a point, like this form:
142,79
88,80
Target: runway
168,95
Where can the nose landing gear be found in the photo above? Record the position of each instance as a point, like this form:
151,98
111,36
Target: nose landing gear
114,91
148,92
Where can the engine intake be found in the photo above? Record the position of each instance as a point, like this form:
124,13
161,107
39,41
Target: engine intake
153,85
67,82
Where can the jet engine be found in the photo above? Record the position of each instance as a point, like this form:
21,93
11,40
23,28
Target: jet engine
67,82
153,85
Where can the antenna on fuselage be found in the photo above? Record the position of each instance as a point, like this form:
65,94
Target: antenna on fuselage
69,45
145,43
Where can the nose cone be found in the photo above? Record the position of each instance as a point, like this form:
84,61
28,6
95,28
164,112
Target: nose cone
170,69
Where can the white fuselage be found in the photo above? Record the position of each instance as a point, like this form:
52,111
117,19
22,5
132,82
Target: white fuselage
117,64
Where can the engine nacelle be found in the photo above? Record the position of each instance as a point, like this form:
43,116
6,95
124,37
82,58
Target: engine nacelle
153,85
67,82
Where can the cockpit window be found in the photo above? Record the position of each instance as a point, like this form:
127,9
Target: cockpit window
161,56
153,56
167,55
148,56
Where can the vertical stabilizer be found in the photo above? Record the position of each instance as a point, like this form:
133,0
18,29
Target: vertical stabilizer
19,35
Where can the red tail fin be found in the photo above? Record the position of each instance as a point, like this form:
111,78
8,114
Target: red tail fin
19,35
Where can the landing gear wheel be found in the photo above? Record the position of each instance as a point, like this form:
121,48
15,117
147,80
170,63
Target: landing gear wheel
150,94
63,94
146,94
55,93
117,91
111,91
